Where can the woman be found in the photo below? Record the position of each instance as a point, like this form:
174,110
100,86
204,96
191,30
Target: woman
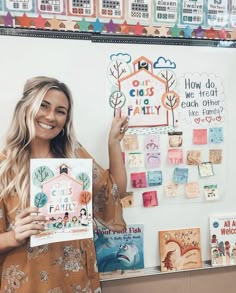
42,127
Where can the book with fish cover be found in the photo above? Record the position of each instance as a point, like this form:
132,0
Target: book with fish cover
223,239
180,249
62,191
119,254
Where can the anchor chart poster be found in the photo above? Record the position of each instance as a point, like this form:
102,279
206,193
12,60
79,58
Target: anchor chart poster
175,145
62,191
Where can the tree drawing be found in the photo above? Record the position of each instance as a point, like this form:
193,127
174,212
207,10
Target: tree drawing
41,174
170,101
167,261
117,69
117,100
85,198
85,179
40,199
170,79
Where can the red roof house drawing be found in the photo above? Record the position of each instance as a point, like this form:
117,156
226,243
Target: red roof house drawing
143,91
63,192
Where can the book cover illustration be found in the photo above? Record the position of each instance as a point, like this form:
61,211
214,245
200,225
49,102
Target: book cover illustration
62,191
223,239
119,254
180,249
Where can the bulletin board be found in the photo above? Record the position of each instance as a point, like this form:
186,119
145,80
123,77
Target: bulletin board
191,88
189,19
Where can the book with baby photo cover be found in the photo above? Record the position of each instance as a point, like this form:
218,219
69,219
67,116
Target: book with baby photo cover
119,254
180,249
62,191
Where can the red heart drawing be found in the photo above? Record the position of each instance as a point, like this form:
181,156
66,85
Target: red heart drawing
208,119
218,118
197,120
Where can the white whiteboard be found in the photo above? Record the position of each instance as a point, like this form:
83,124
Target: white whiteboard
83,66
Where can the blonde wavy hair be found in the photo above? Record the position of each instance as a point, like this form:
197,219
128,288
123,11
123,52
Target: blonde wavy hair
14,169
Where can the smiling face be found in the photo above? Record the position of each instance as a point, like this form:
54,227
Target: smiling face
52,115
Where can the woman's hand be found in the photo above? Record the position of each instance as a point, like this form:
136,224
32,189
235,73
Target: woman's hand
118,127
28,223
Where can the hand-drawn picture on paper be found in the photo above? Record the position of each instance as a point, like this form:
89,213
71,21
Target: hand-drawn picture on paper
215,156
216,135
171,189
175,156
211,192
175,139
194,157
138,180
192,190
205,169
152,160
130,142
135,160
145,95
62,191
154,178
180,175
150,199
151,142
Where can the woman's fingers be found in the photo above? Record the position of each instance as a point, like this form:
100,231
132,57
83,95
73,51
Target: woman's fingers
27,212
28,222
23,232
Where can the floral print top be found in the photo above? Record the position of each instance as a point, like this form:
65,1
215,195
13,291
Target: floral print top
61,267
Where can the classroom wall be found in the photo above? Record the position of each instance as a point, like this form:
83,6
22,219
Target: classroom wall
87,78
213,280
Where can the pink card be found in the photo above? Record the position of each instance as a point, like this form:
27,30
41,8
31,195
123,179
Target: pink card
175,156
150,199
138,180
199,136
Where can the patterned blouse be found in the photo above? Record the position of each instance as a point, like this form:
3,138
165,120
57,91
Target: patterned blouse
61,267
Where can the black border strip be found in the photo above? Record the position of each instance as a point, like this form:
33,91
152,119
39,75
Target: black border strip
115,38
162,41
39,33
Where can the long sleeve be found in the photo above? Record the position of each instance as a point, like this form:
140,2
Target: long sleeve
107,208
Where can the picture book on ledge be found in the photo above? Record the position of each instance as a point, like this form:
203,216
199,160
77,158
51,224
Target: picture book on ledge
119,254
223,239
180,249
62,191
